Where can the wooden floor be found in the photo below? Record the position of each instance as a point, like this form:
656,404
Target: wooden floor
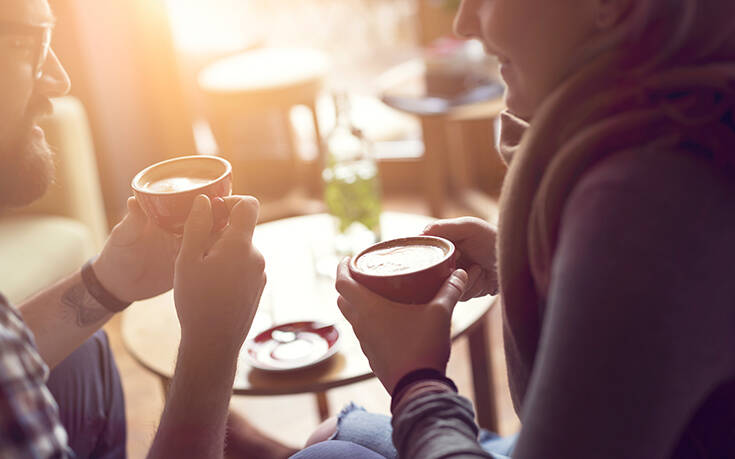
292,418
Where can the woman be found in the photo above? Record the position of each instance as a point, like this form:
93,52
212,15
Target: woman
617,231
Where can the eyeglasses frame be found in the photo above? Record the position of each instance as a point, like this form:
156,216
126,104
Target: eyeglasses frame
45,32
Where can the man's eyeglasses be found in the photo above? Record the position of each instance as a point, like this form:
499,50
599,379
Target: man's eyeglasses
35,39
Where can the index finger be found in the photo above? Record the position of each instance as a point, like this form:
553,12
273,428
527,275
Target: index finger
454,229
197,229
243,217
231,201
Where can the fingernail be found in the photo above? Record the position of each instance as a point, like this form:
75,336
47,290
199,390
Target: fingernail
220,214
199,203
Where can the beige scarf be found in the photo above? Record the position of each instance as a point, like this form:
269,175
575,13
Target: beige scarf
683,105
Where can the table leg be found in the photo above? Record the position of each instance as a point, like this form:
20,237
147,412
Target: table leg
435,145
314,178
318,135
322,405
458,164
482,376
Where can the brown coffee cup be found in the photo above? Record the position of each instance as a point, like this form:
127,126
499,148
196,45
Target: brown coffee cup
407,270
166,190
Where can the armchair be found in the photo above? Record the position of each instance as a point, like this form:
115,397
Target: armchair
46,241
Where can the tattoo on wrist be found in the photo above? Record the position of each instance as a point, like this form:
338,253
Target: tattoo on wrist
86,308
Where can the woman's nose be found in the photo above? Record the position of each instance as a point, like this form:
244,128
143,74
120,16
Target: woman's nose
54,81
466,22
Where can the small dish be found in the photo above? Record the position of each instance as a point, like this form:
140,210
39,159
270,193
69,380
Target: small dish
292,346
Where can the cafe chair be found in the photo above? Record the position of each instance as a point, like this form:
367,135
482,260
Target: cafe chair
249,99
48,240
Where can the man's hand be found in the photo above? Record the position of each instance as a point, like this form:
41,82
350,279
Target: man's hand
137,261
475,241
399,338
217,286
218,281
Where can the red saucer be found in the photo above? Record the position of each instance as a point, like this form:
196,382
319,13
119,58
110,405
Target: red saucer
292,346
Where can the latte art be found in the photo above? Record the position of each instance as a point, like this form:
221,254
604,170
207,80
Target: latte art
176,184
400,259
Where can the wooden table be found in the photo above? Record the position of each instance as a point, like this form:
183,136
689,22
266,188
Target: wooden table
296,251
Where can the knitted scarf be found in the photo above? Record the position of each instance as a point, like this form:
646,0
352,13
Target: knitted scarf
684,97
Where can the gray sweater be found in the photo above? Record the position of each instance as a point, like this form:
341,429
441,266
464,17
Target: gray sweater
636,355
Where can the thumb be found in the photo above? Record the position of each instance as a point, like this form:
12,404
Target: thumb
197,228
129,230
135,210
451,291
243,217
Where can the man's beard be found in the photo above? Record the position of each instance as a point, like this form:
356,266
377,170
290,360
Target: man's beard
29,167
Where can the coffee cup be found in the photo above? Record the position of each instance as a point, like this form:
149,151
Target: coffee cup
407,270
166,190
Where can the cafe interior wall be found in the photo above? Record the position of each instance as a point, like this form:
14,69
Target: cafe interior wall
138,87
122,64
371,32
127,71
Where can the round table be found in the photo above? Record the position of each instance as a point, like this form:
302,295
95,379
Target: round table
451,128
295,250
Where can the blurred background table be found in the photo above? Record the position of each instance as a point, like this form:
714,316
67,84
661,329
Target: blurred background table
297,290
459,161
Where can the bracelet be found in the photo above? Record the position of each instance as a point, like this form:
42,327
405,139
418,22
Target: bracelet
98,291
421,374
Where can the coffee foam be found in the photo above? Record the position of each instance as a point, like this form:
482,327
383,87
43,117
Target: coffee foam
176,184
399,259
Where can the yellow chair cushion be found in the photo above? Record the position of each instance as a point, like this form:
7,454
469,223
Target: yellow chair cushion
75,192
38,251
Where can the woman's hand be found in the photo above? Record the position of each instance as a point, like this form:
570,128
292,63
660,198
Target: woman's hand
475,241
217,285
399,338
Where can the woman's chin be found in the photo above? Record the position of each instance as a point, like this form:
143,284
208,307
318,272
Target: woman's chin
518,105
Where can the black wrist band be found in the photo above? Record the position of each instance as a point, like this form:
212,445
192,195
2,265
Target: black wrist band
98,291
422,374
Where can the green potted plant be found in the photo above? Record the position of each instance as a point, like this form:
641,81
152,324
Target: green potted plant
451,5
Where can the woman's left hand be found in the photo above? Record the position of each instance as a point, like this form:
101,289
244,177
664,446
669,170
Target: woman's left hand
399,338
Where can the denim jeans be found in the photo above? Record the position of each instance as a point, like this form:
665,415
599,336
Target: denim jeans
364,435
87,388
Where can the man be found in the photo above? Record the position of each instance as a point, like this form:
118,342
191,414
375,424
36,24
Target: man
217,283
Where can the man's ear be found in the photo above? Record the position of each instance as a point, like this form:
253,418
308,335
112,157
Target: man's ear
611,12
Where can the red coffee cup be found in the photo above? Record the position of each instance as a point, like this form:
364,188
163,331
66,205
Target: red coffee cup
407,270
166,190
